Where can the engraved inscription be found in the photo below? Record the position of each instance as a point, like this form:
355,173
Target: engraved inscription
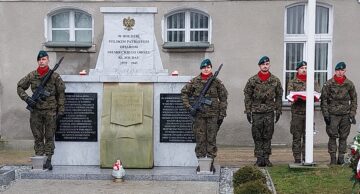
126,108
175,123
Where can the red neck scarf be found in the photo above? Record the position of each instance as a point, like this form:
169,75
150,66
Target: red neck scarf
301,77
339,80
42,70
264,76
205,77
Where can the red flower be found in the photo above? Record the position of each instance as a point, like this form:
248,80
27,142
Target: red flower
353,151
357,176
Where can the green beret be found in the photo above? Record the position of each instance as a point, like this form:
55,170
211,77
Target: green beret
300,64
263,60
205,63
42,54
340,65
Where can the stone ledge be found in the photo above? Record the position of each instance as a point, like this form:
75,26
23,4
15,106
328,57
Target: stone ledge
122,78
6,176
95,173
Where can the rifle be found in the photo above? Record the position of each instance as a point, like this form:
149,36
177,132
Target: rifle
201,100
40,91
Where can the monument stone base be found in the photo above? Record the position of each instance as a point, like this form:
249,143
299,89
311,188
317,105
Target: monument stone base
38,162
205,165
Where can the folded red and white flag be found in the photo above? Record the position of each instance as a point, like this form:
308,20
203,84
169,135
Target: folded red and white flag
295,96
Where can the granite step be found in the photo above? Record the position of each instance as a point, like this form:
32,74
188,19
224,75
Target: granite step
96,173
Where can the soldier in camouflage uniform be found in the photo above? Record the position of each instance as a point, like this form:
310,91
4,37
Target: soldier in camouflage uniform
298,112
263,93
208,120
46,112
338,105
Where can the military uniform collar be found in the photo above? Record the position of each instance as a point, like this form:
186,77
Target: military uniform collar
346,81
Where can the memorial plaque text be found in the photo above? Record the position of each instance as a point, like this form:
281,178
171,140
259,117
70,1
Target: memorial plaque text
80,120
175,123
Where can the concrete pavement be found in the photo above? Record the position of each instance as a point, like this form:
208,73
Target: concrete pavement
227,157
35,186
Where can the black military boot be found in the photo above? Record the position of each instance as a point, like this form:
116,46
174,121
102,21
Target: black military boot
212,167
341,160
260,162
47,165
198,169
332,160
267,162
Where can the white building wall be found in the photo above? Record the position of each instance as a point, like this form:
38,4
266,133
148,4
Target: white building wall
243,31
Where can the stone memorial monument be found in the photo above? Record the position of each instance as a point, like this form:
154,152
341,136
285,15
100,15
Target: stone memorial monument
138,116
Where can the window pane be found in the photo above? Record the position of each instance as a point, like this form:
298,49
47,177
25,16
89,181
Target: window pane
176,21
295,20
322,20
198,20
82,20
176,36
321,56
83,35
321,78
199,36
289,76
294,54
60,20
60,35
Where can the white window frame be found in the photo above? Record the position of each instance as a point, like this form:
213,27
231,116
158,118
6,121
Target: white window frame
302,38
72,29
187,25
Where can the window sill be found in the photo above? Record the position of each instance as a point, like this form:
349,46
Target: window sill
70,47
188,47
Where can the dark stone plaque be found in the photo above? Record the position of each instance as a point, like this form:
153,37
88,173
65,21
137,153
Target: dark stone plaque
80,120
175,123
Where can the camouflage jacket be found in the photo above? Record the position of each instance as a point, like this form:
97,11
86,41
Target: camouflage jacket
338,99
55,86
295,85
262,97
217,93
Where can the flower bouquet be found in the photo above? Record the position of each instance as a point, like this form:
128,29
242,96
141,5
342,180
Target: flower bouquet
354,161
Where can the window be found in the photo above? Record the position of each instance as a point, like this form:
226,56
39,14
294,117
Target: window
189,27
296,39
70,27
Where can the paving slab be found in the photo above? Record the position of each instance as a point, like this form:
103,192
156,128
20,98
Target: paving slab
51,186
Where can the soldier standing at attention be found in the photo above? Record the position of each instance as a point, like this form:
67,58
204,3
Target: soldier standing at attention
338,106
298,112
263,96
207,121
46,112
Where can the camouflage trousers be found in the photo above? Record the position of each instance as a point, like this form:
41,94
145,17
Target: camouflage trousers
43,126
297,129
205,130
262,132
339,128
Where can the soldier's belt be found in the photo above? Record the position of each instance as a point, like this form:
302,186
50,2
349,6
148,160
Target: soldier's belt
262,102
299,112
272,111
339,114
